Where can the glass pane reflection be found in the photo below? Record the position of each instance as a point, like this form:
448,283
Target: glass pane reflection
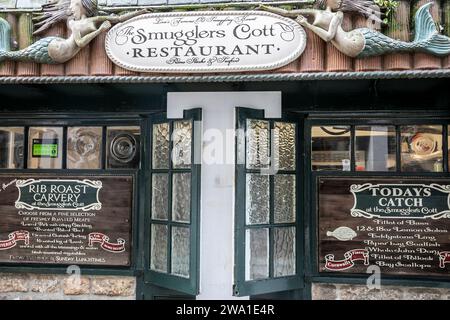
123,144
158,250
284,145
160,146
11,147
257,199
421,148
284,251
257,254
375,148
45,147
257,144
330,148
180,251
84,147
182,140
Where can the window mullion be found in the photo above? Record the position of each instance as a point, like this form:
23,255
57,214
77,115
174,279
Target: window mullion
169,248
352,149
64,148
445,147
170,199
271,196
25,146
271,223
398,149
104,152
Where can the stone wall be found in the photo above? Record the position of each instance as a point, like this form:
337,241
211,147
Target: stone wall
15,286
361,292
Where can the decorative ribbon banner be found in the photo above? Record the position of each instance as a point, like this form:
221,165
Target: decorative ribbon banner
444,258
349,258
13,237
97,237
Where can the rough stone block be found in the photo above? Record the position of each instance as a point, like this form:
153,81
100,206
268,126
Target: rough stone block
423,294
113,286
324,291
46,284
15,296
392,293
76,285
358,292
12,282
445,293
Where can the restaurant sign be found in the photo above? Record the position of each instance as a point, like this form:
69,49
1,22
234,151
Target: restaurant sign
209,41
418,201
401,226
83,220
58,195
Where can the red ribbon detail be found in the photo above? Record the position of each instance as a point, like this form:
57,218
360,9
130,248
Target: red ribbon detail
444,258
349,258
97,237
13,237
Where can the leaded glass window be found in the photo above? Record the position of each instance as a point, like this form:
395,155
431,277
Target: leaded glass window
267,233
174,195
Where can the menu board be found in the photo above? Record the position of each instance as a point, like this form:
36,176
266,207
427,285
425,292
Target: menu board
82,220
400,225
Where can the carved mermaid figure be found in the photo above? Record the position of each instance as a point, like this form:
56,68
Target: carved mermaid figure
365,42
82,21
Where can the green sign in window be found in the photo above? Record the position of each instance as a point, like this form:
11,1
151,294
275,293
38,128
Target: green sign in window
45,148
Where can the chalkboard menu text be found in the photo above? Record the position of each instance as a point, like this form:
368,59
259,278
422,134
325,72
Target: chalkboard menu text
66,220
399,225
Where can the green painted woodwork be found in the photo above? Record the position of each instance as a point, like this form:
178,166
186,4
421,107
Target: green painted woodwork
243,287
185,287
359,118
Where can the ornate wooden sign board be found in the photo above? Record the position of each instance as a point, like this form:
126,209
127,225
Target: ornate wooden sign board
66,220
205,42
399,225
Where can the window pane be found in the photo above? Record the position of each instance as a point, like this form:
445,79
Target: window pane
257,254
123,147
180,251
257,202
182,138
45,148
181,197
330,148
284,144
84,146
11,147
284,194
160,196
421,148
158,259
375,148
257,144
284,251
160,146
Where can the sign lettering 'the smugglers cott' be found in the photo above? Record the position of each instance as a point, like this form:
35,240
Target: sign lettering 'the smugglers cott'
205,42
